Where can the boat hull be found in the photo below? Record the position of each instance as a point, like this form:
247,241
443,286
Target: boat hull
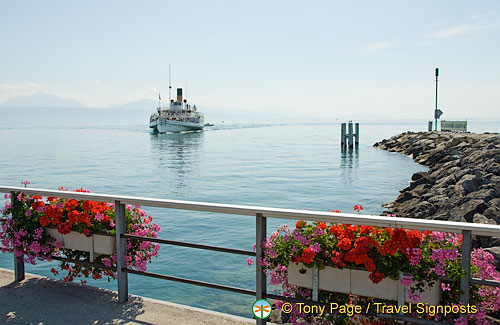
163,125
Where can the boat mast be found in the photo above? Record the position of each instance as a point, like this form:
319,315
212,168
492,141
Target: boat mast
169,86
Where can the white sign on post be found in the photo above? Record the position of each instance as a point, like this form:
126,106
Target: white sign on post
454,126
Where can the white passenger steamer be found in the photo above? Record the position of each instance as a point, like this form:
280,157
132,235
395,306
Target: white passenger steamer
177,117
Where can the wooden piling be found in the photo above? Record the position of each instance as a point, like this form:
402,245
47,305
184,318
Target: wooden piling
343,134
350,134
356,135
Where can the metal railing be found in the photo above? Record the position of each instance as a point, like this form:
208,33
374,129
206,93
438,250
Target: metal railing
261,214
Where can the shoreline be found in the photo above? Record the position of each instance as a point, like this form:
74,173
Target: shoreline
462,183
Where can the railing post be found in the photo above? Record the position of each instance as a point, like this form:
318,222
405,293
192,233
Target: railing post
121,252
465,281
18,260
18,268
260,291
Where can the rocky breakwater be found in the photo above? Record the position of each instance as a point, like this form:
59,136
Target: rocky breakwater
462,183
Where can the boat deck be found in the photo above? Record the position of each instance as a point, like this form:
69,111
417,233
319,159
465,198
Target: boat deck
39,300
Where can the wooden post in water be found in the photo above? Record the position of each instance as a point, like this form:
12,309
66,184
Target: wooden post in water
349,137
350,134
356,135
342,134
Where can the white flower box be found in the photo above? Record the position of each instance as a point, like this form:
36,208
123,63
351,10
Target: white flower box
350,281
77,241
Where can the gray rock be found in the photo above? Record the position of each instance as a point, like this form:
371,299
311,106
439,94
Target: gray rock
492,212
469,183
462,183
419,175
479,218
494,169
467,210
486,195
406,196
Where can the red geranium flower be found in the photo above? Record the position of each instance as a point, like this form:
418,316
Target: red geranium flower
376,277
71,204
337,259
358,208
44,221
300,224
344,244
308,256
323,225
37,204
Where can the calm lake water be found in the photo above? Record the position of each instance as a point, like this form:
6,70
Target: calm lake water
282,166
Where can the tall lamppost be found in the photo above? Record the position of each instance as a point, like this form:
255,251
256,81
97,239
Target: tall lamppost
437,112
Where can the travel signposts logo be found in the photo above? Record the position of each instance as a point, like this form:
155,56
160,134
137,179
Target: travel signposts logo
261,309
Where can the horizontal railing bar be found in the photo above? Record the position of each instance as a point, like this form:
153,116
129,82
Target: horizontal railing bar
64,259
491,283
486,282
68,260
381,221
191,245
189,281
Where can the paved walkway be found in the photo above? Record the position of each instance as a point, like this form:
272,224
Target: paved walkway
39,300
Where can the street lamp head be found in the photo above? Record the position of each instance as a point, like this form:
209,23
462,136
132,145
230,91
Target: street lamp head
437,72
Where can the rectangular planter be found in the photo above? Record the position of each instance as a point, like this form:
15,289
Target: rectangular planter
350,281
77,241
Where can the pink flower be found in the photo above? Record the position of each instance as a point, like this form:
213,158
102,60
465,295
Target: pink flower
249,261
415,297
315,248
99,216
407,280
445,287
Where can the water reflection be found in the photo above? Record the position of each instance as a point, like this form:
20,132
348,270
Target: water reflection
178,157
349,157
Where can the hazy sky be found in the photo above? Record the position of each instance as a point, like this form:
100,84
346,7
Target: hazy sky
320,57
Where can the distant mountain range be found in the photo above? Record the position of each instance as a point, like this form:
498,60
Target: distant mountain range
144,107
40,99
141,104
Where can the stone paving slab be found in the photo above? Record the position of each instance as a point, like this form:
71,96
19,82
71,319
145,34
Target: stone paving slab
40,300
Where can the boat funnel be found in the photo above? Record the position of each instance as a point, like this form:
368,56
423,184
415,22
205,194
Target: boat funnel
179,95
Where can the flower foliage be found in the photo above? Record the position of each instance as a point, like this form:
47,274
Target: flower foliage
23,230
383,252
